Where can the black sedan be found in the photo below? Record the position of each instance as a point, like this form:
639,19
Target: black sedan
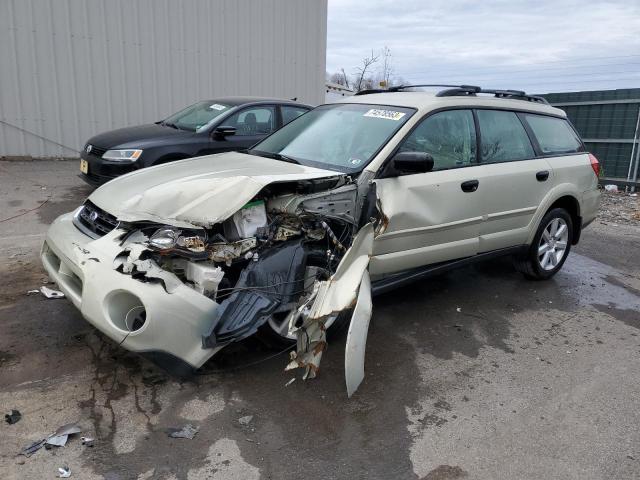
210,126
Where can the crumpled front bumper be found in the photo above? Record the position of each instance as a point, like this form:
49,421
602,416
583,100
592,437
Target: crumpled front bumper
83,268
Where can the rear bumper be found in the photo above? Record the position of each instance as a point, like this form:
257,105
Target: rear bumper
589,206
83,269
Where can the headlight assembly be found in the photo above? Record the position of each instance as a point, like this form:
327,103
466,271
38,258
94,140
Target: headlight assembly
174,238
122,155
165,238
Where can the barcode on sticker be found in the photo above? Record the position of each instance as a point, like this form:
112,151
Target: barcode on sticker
217,106
388,114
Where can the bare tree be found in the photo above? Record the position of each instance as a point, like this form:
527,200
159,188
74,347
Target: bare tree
346,79
386,70
338,78
361,71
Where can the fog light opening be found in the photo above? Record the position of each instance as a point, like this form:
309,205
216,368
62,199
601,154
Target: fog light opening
125,311
135,318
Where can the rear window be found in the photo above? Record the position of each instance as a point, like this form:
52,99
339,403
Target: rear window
554,135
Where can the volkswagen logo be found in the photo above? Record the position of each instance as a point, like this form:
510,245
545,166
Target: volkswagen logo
88,148
93,216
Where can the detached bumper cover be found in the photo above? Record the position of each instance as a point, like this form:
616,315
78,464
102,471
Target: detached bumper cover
83,269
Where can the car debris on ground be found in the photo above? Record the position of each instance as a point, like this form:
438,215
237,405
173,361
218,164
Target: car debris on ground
188,431
13,417
87,441
51,293
56,439
64,472
246,420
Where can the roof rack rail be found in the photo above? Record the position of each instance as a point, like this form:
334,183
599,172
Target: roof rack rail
403,87
509,94
462,90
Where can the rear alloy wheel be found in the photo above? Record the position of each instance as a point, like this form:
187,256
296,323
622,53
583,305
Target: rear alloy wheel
550,246
553,244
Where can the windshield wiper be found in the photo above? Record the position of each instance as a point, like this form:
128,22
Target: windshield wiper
275,156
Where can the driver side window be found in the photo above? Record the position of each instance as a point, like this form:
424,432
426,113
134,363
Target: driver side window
449,137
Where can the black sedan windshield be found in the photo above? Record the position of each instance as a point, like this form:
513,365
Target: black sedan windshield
342,136
196,117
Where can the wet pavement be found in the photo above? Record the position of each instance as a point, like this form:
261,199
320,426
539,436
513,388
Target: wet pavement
478,373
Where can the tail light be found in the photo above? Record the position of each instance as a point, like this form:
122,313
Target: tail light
595,164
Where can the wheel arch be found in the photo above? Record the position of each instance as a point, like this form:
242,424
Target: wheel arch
572,206
563,196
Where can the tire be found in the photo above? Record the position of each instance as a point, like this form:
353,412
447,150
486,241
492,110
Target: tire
550,247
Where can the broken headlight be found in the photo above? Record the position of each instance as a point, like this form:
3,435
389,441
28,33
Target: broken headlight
168,238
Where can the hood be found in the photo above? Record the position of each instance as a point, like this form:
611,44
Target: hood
134,137
197,191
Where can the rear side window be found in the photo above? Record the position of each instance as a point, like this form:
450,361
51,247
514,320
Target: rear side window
503,138
554,135
449,137
259,120
291,113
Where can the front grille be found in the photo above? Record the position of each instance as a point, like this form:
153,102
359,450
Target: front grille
97,151
94,221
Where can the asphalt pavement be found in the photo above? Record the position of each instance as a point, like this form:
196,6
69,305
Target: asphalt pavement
477,373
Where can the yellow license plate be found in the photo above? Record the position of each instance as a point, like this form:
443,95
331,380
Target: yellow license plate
84,166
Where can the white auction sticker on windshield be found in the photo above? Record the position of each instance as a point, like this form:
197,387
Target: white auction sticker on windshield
388,114
217,106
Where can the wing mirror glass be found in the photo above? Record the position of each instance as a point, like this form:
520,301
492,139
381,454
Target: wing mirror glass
412,162
219,133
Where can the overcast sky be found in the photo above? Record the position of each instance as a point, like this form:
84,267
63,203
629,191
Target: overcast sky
538,46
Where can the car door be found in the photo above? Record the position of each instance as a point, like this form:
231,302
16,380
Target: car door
435,216
252,124
515,181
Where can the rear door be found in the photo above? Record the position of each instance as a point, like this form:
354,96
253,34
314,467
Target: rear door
559,143
434,216
515,179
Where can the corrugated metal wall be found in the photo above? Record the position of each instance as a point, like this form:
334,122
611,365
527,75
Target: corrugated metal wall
606,120
72,68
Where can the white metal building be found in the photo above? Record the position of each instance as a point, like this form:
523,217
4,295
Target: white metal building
335,91
72,68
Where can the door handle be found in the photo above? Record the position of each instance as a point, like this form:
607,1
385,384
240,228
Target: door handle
543,175
469,185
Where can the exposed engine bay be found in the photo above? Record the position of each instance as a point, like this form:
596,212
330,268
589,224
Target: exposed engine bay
290,260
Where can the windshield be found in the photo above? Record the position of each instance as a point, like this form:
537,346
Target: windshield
197,117
343,137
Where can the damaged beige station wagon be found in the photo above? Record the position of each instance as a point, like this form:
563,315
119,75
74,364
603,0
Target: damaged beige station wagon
290,239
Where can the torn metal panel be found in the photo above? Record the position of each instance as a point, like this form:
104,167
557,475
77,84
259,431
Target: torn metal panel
357,337
339,292
210,193
339,203
152,271
328,300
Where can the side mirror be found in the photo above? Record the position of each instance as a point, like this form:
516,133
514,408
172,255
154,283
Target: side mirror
412,162
219,133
